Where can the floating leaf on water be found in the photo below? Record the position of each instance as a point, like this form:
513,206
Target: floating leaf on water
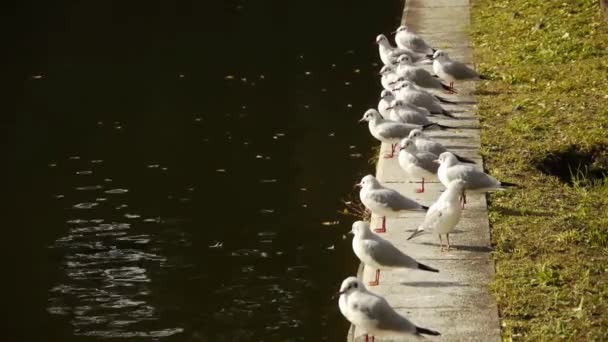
85,205
132,216
220,170
330,223
117,191
86,172
267,211
268,180
330,248
228,77
217,245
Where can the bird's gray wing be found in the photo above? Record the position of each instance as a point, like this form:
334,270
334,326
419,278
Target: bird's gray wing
474,178
394,200
459,70
388,319
391,130
425,79
419,44
426,161
386,254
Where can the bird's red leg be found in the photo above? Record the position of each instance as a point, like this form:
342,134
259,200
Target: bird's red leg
452,87
377,280
464,201
383,228
422,187
366,338
393,146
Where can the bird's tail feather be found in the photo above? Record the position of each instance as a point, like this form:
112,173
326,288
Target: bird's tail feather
484,77
425,331
464,160
508,185
427,268
416,233
442,127
444,100
448,88
448,114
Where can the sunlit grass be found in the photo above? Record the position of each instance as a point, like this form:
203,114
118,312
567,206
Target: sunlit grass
549,62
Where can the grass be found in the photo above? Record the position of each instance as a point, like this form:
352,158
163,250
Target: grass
544,123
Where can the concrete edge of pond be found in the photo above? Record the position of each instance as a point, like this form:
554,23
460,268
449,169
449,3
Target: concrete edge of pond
457,301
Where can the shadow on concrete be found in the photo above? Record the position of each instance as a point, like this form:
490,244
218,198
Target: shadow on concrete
433,284
456,248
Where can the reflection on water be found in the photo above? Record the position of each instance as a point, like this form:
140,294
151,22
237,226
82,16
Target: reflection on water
105,289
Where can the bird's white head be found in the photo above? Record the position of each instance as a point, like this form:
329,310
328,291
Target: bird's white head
440,54
370,115
387,95
415,133
447,158
368,181
381,39
404,59
408,145
387,69
351,284
396,104
360,228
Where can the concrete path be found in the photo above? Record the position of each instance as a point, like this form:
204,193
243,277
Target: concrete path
457,302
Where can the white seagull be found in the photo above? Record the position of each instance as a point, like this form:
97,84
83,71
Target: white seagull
378,253
372,314
384,201
418,75
417,164
425,144
444,215
388,131
475,181
407,39
451,71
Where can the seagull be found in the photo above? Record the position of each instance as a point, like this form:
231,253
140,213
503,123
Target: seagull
389,54
417,164
444,215
475,181
386,98
388,131
388,76
425,144
418,75
404,38
451,71
376,252
408,92
408,113
384,201
372,313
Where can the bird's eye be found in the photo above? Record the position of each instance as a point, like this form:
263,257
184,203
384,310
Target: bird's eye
355,285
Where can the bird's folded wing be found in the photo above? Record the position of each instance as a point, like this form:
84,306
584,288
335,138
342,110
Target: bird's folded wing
386,254
393,131
459,70
393,200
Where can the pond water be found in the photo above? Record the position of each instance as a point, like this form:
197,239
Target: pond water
182,166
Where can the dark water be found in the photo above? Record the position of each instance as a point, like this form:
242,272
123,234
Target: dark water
179,162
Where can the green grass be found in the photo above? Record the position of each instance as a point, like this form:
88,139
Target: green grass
549,95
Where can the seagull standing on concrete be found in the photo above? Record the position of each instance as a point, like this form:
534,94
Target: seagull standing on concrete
386,98
475,181
417,164
389,54
451,71
376,252
388,131
407,39
408,92
444,215
425,144
372,313
418,75
384,201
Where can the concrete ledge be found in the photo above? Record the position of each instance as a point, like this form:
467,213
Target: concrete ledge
457,301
